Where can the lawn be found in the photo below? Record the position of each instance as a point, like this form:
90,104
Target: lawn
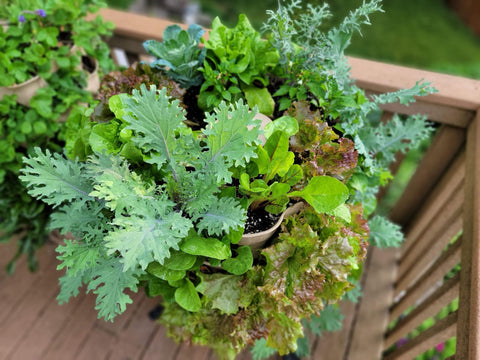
417,33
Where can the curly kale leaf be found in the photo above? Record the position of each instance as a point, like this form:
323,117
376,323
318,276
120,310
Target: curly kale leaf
156,122
84,221
149,236
77,257
231,136
69,286
222,216
260,351
105,277
384,233
122,189
54,179
330,319
108,281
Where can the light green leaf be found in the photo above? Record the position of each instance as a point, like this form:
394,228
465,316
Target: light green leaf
261,98
187,297
285,124
342,212
209,247
165,273
280,158
105,137
241,263
179,261
323,193
116,105
158,287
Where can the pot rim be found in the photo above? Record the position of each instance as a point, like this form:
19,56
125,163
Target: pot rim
25,83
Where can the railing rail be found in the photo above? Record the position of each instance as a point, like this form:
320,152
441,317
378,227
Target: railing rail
441,201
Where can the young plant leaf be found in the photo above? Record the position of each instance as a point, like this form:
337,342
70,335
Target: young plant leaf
187,297
209,247
323,193
241,263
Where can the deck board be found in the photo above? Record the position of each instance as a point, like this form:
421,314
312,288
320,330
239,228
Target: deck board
34,327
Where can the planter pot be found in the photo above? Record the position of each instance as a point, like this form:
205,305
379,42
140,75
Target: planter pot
257,240
93,78
25,90
4,24
265,120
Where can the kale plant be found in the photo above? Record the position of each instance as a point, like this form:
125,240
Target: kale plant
163,220
179,54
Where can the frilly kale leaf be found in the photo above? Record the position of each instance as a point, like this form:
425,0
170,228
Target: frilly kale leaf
261,351
156,123
108,280
384,233
222,216
54,179
330,319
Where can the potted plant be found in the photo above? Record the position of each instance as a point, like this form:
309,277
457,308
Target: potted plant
33,50
154,200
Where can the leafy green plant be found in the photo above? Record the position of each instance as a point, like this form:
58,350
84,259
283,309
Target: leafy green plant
37,39
154,203
179,54
35,44
158,225
236,66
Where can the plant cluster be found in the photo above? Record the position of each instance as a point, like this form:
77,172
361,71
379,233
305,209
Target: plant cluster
46,39
154,203
185,180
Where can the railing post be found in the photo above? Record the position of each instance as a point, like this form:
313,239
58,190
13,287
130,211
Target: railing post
468,326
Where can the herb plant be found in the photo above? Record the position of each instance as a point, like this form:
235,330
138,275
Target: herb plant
39,41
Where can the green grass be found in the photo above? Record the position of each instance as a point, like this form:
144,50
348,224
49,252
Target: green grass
417,33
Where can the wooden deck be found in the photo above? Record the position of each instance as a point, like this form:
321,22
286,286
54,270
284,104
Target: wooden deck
34,327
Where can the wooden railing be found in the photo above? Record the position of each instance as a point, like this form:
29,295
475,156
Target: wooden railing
405,286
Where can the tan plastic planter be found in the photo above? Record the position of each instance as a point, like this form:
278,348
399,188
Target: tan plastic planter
93,79
265,120
4,24
257,240
25,90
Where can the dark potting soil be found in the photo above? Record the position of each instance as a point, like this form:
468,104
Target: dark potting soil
88,64
194,113
259,220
